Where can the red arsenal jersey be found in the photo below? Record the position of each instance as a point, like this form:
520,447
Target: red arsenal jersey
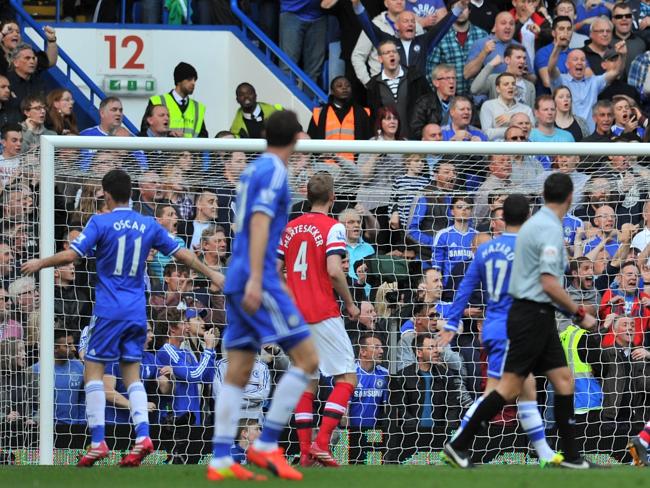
305,245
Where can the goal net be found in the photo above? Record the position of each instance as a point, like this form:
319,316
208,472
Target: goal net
414,214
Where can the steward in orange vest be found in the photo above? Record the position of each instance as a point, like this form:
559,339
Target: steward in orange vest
340,119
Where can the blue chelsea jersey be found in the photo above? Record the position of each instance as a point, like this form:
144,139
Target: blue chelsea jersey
491,270
370,395
263,187
121,240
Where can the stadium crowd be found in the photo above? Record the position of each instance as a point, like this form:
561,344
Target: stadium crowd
420,70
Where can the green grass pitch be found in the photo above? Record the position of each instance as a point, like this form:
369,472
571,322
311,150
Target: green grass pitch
344,477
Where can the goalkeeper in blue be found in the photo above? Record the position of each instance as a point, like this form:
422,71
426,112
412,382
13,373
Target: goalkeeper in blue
260,311
120,240
491,270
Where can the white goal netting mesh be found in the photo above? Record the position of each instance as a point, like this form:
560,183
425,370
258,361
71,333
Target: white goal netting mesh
402,274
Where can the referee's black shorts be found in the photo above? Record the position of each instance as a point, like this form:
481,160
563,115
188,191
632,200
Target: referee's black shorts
533,341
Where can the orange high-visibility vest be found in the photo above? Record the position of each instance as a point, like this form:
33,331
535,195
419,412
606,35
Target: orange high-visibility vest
338,131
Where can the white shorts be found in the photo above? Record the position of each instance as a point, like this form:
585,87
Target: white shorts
334,348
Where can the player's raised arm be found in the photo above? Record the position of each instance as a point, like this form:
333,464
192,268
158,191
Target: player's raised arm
188,258
60,258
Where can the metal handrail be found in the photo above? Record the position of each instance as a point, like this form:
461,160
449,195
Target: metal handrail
71,66
272,49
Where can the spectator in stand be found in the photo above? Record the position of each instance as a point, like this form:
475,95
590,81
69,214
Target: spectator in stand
248,122
496,114
341,118
379,171
568,165
497,181
9,112
247,432
584,89
532,26
460,117
157,117
642,239
16,406
24,78
602,116
25,297
10,39
69,405
33,126
9,328
588,12
546,131
413,49
638,77
395,86
567,8
629,181
581,289
148,194
619,85
597,193
60,112
71,303
483,13
187,373
600,40
424,402
111,116
428,12
605,232
367,409
424,317
176,283
624,31
405,189
454,49
357,248
303,35
7,264
166,216
206,213
526,168
454,243
495,204
433,108
564,117
186,115
495,44
629,122
173,189
256,392
515,59
364,56
432,211
432,132
563,34
214,248
627,299
12,143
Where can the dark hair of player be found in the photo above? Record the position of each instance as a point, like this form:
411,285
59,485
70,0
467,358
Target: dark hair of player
117,183
320,188
515,209
557,188
281,128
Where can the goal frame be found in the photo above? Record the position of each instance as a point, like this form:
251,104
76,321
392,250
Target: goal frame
49,145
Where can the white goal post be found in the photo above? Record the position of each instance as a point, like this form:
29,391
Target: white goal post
51,144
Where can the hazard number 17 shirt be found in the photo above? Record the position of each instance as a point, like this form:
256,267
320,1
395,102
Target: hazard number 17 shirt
305,245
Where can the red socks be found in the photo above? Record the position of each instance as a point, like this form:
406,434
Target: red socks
305,420
645,434
334,409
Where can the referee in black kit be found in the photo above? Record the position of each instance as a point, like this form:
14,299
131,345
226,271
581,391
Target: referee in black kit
534,343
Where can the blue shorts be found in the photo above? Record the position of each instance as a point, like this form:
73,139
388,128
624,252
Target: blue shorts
116,340
497,350
277,321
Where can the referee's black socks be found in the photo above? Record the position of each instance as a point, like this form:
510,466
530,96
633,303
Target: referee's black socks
488,408
566,425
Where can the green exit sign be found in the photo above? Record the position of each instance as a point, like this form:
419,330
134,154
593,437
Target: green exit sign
129,86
